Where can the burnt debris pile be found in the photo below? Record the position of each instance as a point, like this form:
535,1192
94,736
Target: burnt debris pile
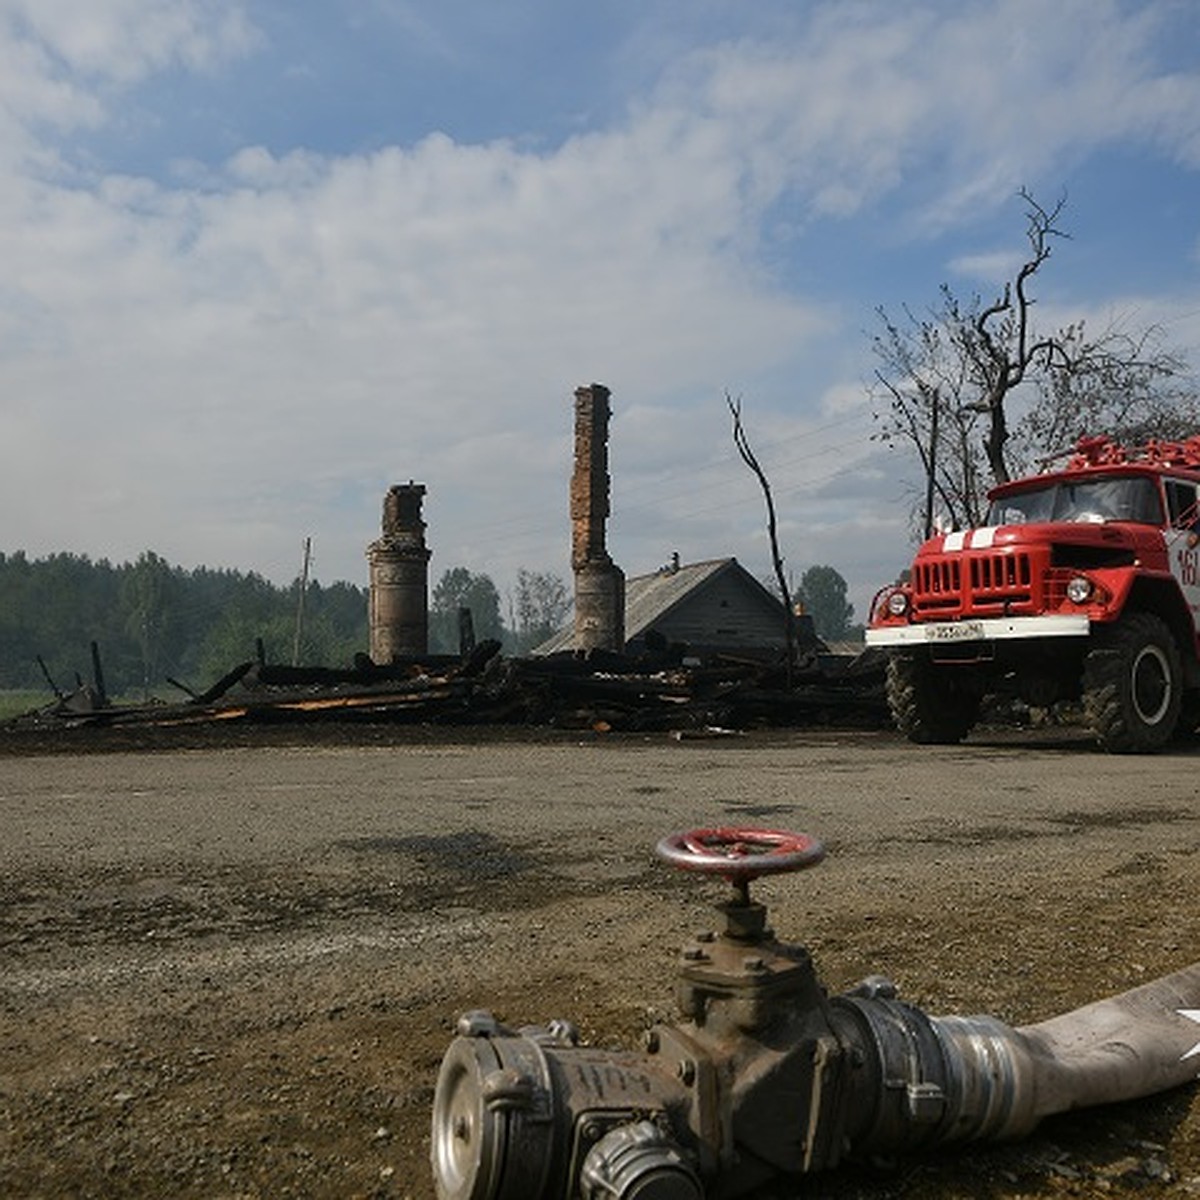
594,690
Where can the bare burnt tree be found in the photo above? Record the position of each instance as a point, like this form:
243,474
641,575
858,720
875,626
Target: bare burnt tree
1127,384
947,383
1001,345
742,442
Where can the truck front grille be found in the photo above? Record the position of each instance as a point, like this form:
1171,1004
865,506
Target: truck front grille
1000,577
975,583
937,585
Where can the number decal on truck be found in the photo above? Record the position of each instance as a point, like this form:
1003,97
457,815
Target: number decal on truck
1185,558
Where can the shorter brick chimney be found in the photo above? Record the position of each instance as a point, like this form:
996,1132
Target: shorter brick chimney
399,578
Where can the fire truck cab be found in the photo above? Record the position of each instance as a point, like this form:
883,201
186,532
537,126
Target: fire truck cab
1083,584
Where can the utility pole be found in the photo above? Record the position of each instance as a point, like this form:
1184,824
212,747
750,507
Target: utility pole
931,474
300,601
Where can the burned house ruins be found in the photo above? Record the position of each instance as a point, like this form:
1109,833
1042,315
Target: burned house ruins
690,647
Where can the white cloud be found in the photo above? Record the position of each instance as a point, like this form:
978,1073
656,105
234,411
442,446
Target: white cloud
345,320
982,97
125,40
993,268
64,63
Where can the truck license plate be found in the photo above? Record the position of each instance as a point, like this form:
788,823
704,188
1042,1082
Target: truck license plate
957,631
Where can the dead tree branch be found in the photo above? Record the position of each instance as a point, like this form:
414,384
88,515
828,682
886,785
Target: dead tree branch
742,442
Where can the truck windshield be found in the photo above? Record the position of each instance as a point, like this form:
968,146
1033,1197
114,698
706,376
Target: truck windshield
1131,498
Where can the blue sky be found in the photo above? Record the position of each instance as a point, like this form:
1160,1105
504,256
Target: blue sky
263,258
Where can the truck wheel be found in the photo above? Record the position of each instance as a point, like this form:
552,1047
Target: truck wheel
931,704
1132,685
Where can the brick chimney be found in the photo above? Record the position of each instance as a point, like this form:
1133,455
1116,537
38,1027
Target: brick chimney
599,583
399,579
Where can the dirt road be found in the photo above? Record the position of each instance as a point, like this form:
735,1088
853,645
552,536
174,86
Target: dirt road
232,972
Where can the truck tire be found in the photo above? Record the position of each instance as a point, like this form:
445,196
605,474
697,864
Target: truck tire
931,704
1133,685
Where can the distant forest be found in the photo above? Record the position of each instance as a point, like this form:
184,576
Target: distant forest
152,621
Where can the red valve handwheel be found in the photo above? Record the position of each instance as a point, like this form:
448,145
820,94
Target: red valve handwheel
740,854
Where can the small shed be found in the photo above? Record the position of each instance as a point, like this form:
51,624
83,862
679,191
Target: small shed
705,608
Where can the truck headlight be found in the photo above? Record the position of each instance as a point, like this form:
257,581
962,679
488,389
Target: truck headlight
1079,589
897,604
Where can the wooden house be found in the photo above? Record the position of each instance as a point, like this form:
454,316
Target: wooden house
701,609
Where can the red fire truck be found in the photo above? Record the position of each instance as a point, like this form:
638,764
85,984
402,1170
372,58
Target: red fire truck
1083,584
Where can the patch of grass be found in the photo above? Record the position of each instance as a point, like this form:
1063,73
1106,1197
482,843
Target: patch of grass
14,703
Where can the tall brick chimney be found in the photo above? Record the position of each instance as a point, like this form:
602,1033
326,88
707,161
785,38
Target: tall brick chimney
599,583
399,579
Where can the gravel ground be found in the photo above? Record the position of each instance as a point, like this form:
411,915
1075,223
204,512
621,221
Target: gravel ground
231,966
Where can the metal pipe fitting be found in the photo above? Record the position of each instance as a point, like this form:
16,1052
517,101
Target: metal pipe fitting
767,1075
638,1162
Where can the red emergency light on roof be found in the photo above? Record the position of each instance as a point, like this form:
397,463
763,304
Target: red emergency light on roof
1104,452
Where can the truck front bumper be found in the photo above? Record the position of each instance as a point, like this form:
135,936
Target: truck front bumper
992,629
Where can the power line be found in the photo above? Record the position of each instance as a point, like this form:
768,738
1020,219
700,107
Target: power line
645,495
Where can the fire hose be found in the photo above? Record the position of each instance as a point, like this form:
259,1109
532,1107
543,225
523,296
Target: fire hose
767,1075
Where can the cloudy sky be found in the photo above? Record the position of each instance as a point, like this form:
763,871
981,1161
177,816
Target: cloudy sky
260,259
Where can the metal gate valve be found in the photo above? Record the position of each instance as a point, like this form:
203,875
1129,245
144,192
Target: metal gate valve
735,980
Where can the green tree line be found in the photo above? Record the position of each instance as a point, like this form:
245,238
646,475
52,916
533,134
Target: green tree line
153,621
